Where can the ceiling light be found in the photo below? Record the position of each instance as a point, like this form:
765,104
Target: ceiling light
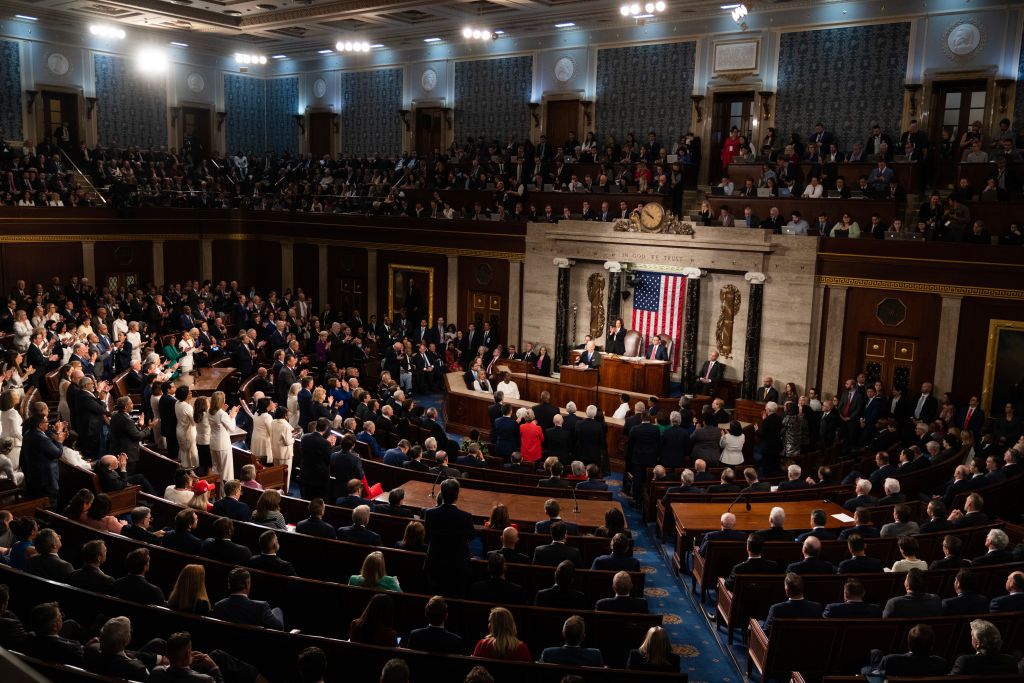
732,6
243,58
624,10
352,46
431,40
324,51
25,17
177,44
376,45
565,24
738,13
499,33
278,56
643,16
469,32
152,60
104,31
659,6
637,11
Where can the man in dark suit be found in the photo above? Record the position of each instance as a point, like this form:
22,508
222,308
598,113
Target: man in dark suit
505,433
657,350
555,481
509,541
220,547
46,642
557,551
90,576
622,585
449,531
776,530
314,477
769,440
754,564
675,443
818,530
590,357
494,410
557,441
572,652
727,532
960,483
357,531
1013,601
727,483
496,588
168,419
862,525
795,605
925,406
589,438
971,417
40,452
593,482
767,392
181,537
562,595
124,435
642,447
48,563
134,587
968,600
884,470
987,642
544,413
996,543
314,525
141,518
752,483
553,510
239,608
972,514
710,374
812,562
859,562
916,602
620,558
829,424
231,504
345,464
850,409
863,497
434,637
794,480
919,661
952,554
268,559
853,605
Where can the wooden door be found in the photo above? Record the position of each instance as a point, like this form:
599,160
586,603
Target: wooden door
729,110
562,117
955,104
430,124
320,133
59,109
484,306
890,360
196,131
349,295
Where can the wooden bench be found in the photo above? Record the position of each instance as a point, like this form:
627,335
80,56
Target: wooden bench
74,478
269,476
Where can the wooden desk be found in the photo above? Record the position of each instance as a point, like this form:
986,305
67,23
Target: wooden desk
632,373
579,377
520,508
748,411
693,518
519,366
209,381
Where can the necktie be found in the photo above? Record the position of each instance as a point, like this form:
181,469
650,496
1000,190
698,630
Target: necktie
967,420
654,352
708,374
920,406
849,401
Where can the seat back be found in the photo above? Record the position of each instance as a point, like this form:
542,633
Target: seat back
633,343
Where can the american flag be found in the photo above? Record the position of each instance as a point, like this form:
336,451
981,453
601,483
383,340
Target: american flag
658,308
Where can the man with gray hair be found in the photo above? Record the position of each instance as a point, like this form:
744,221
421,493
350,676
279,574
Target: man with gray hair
589,439
812,562
891,486
987,659
727,532
570,418
863,497
357,531
675,442
109,656
777,530
996,543
793,480
902,524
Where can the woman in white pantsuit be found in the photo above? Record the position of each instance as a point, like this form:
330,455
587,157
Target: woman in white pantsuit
188,450
222,424
261,421
282,443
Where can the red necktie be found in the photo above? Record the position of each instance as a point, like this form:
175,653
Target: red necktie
708,375
970,411
849,402
654,352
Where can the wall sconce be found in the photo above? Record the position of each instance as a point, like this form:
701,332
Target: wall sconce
336,120
175,113
1004,93
31,98
447,111
912,89
766,103
535,112
90,104
404,113
698,105
300,121
587,111
221,115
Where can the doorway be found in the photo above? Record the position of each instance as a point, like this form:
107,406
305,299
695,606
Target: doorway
196,131
60,119
889,360
728,110
955,105
485,306
561,118
430,125
320,133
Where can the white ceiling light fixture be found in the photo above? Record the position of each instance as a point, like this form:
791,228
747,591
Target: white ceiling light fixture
565,24
352,46
474,33
105,31
243,58
325,51
431,40
152,61
649,9
177,44
26,17
279,56
738,13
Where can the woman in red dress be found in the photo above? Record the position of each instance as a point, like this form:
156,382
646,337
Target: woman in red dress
531,436
730,148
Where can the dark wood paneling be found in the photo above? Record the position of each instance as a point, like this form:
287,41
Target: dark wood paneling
438,263
972,344
348,265
124,257
921,323
39,262
251,262
182,260
484,275
306,269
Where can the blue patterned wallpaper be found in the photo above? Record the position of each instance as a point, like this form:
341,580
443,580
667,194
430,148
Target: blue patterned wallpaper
10,91
847,95
282,104
370,101
132,110
245,101
1018,108
477,112
645,88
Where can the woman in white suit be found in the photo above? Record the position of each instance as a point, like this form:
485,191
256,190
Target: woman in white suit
282,443
22,330
293,404
261,421
187,348
188,449
222,424
10,422
731,444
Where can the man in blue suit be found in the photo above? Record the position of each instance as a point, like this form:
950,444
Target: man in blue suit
728,532
591,357
572,653
505,433
657,350
853,605
795,606
971,418
619,559
231,505
367,437
449,531
434,637
240,609
1014,601
39,455
968,600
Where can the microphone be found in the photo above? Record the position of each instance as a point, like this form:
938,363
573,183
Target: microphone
575,501
737,499
440,472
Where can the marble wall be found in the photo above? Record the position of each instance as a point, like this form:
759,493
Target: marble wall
132,109
10,90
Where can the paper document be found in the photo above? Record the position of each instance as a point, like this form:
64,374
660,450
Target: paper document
843,517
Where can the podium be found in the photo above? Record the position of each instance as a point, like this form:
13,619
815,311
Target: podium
632,373
580,377
518,366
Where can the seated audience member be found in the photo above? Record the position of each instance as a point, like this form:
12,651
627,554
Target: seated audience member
375,626
754,564
937,514
557,551
110,655
134,587
90,576
268,559
728,532
357,531
795,605
314,525
902,524
727,484
239,608
181,537
655,653
141,518
812,562
972,514
777,530
863,497
623,601
916,602
562,595
414,537
46,641
908,547
862,525
1013,601
394,505
892,496
987,642
620,558
48,563
220,547
496,587
373,574
509,541
181,491
231,504
572,652
967,600
917,661
853,605
996,543
594,481
818,530
501,641
686,479
952,554
434,637
189,592
859,562
354,497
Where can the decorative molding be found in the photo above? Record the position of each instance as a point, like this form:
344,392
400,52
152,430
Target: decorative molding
755,278
562,262
963,38
692,273
736,56
613,266
928,287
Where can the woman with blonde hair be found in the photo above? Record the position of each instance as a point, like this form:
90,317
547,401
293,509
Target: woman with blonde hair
22,330
188,448
268,511
186,350
501,641
189,592
373,574
222,424
655,653
63,409
282,443
293,404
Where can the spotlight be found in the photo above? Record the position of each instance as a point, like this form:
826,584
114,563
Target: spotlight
352,46
243,58
738,13
646,11
659,6
471,33
649,8
467,32
151,60
104,31
624,10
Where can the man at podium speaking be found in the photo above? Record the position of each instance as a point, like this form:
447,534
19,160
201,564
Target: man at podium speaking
590,358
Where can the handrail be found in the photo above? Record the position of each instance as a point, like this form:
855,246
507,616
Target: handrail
87,180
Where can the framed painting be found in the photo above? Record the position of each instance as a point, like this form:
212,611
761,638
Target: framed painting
411,288
1004,366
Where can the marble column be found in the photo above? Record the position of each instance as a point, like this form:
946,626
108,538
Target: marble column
833,353
287,265
371,285
561,351
949,327
452,305
89,263
614,309
158,263
325,278
752,350
515,294
205,260
689,369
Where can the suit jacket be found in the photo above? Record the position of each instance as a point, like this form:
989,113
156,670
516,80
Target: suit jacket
235,509
135,588
50,567
240,609
316,459
860,565
775,533
561,598
449,531
966,603
572,656
811,565
552,554
792,609
851,406
661,353
225,550
704,444
909,664
720,535
506,436
765,394
498,591
592,360
994,557
929,409
643,445
752,565
616,342
557,442
864,530
675,447
358,533
125,436
39,456
716,372
91,579
913,605
272,564
616,563
878,477
545,413
852,610
622,603
588,440
980,664
859,501
436,639
1014,602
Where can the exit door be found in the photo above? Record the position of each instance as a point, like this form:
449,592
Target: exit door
890,360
